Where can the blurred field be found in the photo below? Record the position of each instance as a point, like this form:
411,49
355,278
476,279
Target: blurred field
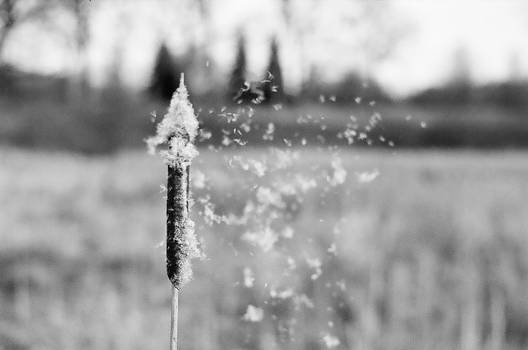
430,254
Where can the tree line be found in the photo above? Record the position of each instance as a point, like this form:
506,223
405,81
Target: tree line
269,89
459,88
238,90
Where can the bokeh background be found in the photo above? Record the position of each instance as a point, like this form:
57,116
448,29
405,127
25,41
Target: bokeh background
361,183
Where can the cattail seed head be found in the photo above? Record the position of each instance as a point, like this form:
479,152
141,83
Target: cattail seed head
177,131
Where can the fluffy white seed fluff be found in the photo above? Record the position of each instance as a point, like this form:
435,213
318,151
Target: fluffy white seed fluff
177,130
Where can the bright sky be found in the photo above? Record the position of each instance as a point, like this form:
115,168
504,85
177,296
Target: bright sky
494,32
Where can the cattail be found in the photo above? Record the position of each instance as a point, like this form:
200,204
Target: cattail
177,132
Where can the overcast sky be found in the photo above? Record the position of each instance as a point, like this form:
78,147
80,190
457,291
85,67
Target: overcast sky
421,37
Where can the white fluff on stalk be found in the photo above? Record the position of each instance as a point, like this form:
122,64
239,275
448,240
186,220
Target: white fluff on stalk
177,130
190,250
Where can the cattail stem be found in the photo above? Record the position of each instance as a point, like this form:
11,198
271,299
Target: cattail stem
174,320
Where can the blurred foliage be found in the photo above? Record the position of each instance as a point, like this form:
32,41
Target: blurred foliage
41,111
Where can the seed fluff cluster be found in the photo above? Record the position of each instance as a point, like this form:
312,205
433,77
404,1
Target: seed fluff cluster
177,130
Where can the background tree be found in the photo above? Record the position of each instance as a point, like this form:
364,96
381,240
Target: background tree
8,17
301,26
202,78
273,85
352,85
460,85
164,79
237,81
15,12
311,85
512,93
286,11
378,32
80,11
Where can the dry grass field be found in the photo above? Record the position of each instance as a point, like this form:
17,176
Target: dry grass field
349,249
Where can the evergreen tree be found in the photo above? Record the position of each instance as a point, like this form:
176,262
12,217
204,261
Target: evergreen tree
237,81
311,86
272,85
165,76
460,86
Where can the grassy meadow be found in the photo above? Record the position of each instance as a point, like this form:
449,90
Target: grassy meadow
342,249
